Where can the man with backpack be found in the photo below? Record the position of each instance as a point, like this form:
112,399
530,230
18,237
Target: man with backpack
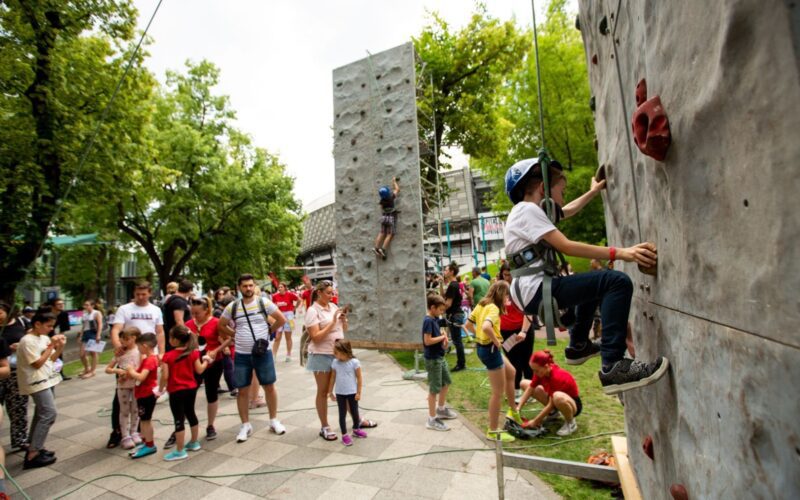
250,322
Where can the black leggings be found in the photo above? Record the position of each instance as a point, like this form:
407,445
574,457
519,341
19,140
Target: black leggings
211,378
343,400
520,355
182,405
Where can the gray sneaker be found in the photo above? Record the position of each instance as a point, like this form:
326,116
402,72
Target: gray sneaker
627,374
437,425
446,414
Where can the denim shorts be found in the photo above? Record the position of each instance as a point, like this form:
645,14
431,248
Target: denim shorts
490,356
245,364
88,335
319,362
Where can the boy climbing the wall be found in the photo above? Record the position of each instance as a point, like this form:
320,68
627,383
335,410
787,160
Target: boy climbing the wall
388,202
528,228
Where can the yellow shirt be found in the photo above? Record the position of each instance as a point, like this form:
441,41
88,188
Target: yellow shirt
481,314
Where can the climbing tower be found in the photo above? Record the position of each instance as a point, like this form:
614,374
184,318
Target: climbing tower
375,139
697,118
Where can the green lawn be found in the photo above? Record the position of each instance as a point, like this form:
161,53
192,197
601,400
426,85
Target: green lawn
469,395
73,368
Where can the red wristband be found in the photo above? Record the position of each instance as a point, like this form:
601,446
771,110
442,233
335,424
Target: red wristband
612,254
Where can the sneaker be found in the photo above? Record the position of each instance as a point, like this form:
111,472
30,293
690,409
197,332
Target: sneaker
163,398
627,374
377,251
113,440
277,427
176,455
211,433
552,416
288,359
359,433
446,414
40,460
568,428
244,432
144,451
170,442
382,252
127,443
436,425
347,440
192,446
136,448
579,355
514,415
235,393
457,368
499,435
137,438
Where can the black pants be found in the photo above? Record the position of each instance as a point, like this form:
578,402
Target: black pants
455,336
520,355
211,378
17,409
115,415
343,400
227,363
182,405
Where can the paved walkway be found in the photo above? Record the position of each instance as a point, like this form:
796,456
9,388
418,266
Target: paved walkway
80,432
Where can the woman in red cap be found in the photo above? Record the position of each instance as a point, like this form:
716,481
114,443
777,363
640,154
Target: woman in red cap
555,388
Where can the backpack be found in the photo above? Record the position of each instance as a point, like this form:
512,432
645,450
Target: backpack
262,309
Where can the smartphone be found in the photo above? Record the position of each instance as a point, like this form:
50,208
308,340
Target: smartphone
347,308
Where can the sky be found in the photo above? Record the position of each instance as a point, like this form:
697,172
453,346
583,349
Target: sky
276,60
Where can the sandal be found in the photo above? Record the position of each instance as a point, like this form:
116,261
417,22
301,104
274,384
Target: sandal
368,424
327,434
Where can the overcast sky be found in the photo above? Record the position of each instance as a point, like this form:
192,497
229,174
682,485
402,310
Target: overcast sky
276,59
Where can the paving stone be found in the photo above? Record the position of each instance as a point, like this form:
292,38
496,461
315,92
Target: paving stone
52,487
302,487
350,491
423,482
456,462
229,494
188,488
381,474
337,472
470,486
230,465
261,485
142,490
86,492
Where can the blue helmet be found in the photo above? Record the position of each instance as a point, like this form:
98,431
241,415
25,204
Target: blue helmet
517,172
384,192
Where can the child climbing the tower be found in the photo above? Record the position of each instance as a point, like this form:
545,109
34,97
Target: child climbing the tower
389,212
345,388
178,368
119,365
527,227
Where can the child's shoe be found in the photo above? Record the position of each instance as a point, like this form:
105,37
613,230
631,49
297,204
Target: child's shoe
359,433
192,446
499,435
175,455
211,433
137,438
144,451
514,415
127,443
568,428
347,440
445,413
436,425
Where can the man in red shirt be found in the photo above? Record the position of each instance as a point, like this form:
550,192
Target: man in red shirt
287,302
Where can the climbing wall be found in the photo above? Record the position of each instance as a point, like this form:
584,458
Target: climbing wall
375,138
723,209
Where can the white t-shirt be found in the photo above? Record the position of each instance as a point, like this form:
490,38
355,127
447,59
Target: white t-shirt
243,340
144,318
526,225
346,380
31,380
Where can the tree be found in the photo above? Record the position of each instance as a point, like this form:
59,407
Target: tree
468,69
59,62
203,201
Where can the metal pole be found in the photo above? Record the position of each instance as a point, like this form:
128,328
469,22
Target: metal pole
447,228
436,167
498,453
483,242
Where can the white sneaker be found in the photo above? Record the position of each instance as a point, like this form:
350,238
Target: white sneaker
244,432
288,359
277,427
162,398
568,428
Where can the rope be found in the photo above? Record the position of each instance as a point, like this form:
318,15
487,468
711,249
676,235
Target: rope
538,79
17,486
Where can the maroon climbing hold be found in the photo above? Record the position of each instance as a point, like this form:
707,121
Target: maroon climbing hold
594,59
651,129
678,492
641,92
647,447
652,271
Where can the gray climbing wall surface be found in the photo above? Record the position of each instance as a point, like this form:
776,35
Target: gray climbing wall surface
723,209
375,138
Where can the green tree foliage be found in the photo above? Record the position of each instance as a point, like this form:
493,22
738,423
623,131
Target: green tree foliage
59,62
204,202
468,68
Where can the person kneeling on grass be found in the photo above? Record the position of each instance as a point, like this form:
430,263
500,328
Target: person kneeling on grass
484,322
438,374
556,389
177,374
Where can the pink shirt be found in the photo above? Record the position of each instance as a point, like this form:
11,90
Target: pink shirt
322,317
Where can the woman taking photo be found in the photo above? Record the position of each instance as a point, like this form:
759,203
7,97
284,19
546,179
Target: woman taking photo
91,329
16,404
556,389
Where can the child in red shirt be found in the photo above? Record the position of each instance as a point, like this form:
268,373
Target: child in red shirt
147,377
555,388
178,368
286,302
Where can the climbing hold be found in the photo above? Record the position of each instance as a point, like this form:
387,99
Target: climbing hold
378,150
337,115
363,112
600,175
641,92
647,447
369,264
604,26
341,191
338,84
378,77
388,87
578,23
591,103
388,110
363,85
355,159
352,142
594,59
362,249
408,81
596,144
678,492
651,131
651,271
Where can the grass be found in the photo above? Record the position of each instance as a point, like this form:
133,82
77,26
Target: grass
469,395
73,368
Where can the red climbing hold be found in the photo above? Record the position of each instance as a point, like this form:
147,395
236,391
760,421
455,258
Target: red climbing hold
641,92
678,492
651,129
647,447
594,59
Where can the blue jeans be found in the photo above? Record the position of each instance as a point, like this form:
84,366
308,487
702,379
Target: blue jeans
455,334
612,290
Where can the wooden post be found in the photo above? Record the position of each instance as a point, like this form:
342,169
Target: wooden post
498,451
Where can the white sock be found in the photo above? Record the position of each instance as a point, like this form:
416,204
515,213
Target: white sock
431,419
274,420
441,408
